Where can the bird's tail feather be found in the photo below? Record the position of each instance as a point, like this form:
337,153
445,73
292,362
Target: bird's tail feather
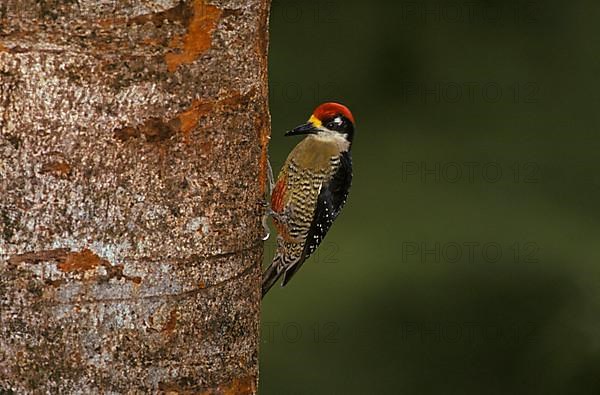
270,277
287,260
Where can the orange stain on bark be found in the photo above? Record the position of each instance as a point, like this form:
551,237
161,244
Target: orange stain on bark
238,386
80,261
198,37
171,323
189,118
59,169
185,122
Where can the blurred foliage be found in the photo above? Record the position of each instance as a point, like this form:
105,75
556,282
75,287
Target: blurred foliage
466,260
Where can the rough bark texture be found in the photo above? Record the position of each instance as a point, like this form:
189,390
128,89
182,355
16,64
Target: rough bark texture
133,137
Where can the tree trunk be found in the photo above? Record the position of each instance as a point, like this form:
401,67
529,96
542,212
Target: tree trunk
133,139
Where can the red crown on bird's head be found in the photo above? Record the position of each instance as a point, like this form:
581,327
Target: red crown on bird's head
331,110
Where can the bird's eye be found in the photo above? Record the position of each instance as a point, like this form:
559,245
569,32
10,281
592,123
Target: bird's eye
335,123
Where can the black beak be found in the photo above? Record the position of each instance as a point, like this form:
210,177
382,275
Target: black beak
307,128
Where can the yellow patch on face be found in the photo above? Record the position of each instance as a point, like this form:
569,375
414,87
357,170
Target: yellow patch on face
315,121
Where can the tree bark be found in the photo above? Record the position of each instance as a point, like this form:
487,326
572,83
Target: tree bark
133,138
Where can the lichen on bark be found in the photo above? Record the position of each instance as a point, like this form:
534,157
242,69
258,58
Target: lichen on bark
133,139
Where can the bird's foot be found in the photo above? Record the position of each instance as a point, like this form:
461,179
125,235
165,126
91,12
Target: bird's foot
266,227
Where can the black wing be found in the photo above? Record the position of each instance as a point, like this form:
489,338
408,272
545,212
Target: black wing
329,204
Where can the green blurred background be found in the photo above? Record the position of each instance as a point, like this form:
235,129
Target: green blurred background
466,260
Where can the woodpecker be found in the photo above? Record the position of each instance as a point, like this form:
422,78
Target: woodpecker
311,189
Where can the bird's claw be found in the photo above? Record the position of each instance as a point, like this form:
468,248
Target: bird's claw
266,227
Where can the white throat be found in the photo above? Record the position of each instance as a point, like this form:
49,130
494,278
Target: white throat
339,139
